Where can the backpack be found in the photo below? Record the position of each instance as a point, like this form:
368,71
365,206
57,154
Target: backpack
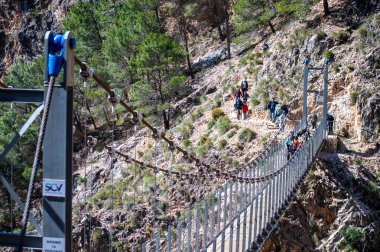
245,108
295,145
238,104
244,84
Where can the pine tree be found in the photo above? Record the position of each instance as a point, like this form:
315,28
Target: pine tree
296,7
252,13
157,65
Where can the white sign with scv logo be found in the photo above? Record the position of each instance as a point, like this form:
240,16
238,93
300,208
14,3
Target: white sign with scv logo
50,244
54,187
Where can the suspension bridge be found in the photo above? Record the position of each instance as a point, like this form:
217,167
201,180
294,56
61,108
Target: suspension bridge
233,210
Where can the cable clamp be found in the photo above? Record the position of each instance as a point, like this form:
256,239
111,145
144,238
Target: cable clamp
92,141
84,72
114,98
136,116
91,73
156,133
172,146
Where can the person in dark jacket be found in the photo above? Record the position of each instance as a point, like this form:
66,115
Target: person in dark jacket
238,94
272,106
314,120
244,86
330,122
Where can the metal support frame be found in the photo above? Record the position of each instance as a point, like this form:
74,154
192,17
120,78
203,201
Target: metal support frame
20,95
57,160
305,90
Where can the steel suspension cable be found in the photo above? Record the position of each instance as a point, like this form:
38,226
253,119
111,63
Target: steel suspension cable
37,159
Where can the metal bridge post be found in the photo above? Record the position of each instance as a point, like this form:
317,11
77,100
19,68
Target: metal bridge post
224,216
57,157
304,102
325,93
256,205
251,195
189,222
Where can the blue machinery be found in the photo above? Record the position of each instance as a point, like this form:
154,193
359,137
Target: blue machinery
237,217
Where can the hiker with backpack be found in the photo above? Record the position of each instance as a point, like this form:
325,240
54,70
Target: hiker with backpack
238,93
289,142
272,106
280,120
285,109
265,47
330,122
244,86
238,105
313,121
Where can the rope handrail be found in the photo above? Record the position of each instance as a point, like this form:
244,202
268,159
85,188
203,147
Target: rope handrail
129,158
139,117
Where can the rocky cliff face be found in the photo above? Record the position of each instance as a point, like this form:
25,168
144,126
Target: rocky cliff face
23,25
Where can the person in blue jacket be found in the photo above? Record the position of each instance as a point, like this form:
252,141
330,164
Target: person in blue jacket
272,106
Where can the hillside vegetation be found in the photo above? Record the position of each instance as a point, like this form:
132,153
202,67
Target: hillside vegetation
178,62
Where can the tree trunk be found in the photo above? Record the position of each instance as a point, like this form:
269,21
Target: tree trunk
182,27
188,54
271,27
166,120
220,32
326,7
228,29
79,125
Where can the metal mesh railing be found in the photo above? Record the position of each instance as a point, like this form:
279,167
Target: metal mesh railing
239,215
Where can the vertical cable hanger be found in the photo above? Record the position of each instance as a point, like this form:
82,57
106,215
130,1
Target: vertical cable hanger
114,98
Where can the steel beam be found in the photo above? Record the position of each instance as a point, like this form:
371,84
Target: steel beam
12,240
57,158
19,95
304,100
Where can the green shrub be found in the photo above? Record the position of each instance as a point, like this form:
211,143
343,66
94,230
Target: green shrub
255,102
223,124
354,97
203,140
201,150
197,114
363,31
82,180
234,164
216,113
186,129
352,237
264,139
328,54
221,144
350,68
372,189
211,124
336,69
231,134
186,142
341,36
320,34
358,161
247,135
280,46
